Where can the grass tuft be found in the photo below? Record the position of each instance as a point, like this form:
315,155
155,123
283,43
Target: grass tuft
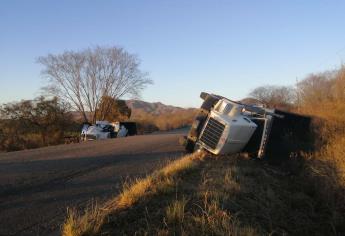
85,224
175,211
131,193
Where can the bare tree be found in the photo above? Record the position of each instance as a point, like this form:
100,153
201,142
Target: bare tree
340,85
82,78
316,88
275,96
323,95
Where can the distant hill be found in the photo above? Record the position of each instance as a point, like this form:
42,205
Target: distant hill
139,108
155,108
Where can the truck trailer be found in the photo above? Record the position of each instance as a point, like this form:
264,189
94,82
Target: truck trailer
223,126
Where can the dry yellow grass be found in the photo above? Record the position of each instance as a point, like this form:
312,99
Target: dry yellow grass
211,219
231,195
175,212
326,169
180,165
227,195
323,96
132,193
214,220
335,154
193,207
92,220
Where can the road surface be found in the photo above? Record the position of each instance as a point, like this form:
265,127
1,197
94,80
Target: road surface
37,186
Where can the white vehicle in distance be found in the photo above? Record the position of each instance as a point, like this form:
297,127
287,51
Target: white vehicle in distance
106,130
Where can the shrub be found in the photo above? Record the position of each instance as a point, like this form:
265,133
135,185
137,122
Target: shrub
33,123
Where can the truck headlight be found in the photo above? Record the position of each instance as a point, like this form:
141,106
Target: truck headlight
196,124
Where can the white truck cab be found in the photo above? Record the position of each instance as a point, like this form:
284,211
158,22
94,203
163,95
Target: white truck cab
223,126
227,129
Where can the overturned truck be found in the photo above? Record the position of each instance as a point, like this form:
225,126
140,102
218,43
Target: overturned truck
224,126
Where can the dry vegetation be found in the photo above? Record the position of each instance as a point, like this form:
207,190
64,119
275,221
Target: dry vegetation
148,122
232,195
163,180
227,195
35,123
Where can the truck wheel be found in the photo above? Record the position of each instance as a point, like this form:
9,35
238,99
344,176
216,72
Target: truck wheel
190,146
198,148
197,124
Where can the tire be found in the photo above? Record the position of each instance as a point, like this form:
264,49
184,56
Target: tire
190,146
197,125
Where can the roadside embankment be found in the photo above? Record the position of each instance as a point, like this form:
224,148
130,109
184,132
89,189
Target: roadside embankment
201,194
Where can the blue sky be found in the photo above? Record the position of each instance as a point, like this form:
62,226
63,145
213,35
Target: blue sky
224,47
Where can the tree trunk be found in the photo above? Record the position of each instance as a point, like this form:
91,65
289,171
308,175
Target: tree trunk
84,116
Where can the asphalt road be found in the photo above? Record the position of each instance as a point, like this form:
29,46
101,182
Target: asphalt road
37,186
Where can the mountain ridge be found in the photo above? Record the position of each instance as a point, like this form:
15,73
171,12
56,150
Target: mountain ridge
140,107
153,108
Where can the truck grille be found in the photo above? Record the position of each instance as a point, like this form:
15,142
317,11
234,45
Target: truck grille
212,133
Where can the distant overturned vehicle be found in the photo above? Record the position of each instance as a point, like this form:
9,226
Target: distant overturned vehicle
224,126
107,130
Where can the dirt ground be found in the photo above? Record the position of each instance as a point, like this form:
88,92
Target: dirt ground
37,186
